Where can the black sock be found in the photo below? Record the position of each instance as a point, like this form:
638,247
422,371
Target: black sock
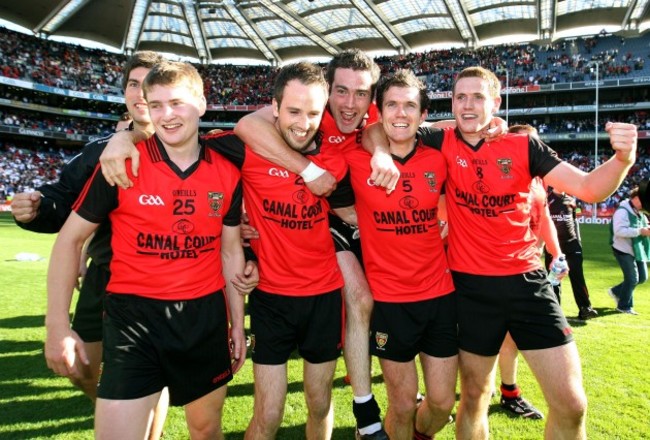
366,413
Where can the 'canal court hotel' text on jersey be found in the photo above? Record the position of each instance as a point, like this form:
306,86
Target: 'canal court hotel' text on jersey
295,249
488,192
402,227
168,219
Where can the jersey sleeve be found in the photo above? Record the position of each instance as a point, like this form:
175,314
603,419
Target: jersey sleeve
431,137
97,199
233,216
228,145
542,158
59,197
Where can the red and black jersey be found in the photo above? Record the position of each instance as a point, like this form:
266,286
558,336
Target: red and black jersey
488,201
295,249
403,254
166,228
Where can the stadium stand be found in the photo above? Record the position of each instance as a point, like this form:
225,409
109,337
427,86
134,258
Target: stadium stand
55,97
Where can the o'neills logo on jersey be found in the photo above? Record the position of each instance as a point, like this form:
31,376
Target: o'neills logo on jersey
278,173
381,339
505,165
215,200
149,200
431,180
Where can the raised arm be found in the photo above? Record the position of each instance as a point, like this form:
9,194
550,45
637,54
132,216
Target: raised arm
232,258
63,347
604,180
258,131
113,159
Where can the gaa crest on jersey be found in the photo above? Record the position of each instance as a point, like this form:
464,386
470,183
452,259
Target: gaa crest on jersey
505,165
432,181
215,200
381,339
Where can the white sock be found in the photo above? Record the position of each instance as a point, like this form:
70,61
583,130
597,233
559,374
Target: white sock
362,399
371,429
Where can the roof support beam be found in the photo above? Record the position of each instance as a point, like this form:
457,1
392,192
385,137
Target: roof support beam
282,11
253,33
139,14
547,20
196,30
461,18
374,16
59,15
635,12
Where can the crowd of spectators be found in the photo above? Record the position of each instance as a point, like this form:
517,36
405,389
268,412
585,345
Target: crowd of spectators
584,160
24,169
67,66
55,124
73,67
59,65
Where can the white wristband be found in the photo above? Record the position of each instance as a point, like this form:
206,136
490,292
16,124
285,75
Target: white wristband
312,172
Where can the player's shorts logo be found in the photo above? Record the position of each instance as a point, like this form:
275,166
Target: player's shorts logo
215,200
381,339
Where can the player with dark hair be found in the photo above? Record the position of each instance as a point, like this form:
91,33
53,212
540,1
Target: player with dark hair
47,208
492,252
298,302
352,77
414,302
176,257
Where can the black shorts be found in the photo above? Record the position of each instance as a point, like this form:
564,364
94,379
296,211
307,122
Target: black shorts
524,305
88,313
280,324
399,331
345,236
150,344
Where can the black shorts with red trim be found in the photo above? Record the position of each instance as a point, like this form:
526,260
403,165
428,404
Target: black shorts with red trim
150,344
399,331
524,305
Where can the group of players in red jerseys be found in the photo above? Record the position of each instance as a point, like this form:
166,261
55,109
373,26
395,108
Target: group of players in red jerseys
343,200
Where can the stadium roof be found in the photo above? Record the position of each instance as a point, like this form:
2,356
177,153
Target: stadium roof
276,30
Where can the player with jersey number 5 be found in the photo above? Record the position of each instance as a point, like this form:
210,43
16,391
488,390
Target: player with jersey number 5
500,282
